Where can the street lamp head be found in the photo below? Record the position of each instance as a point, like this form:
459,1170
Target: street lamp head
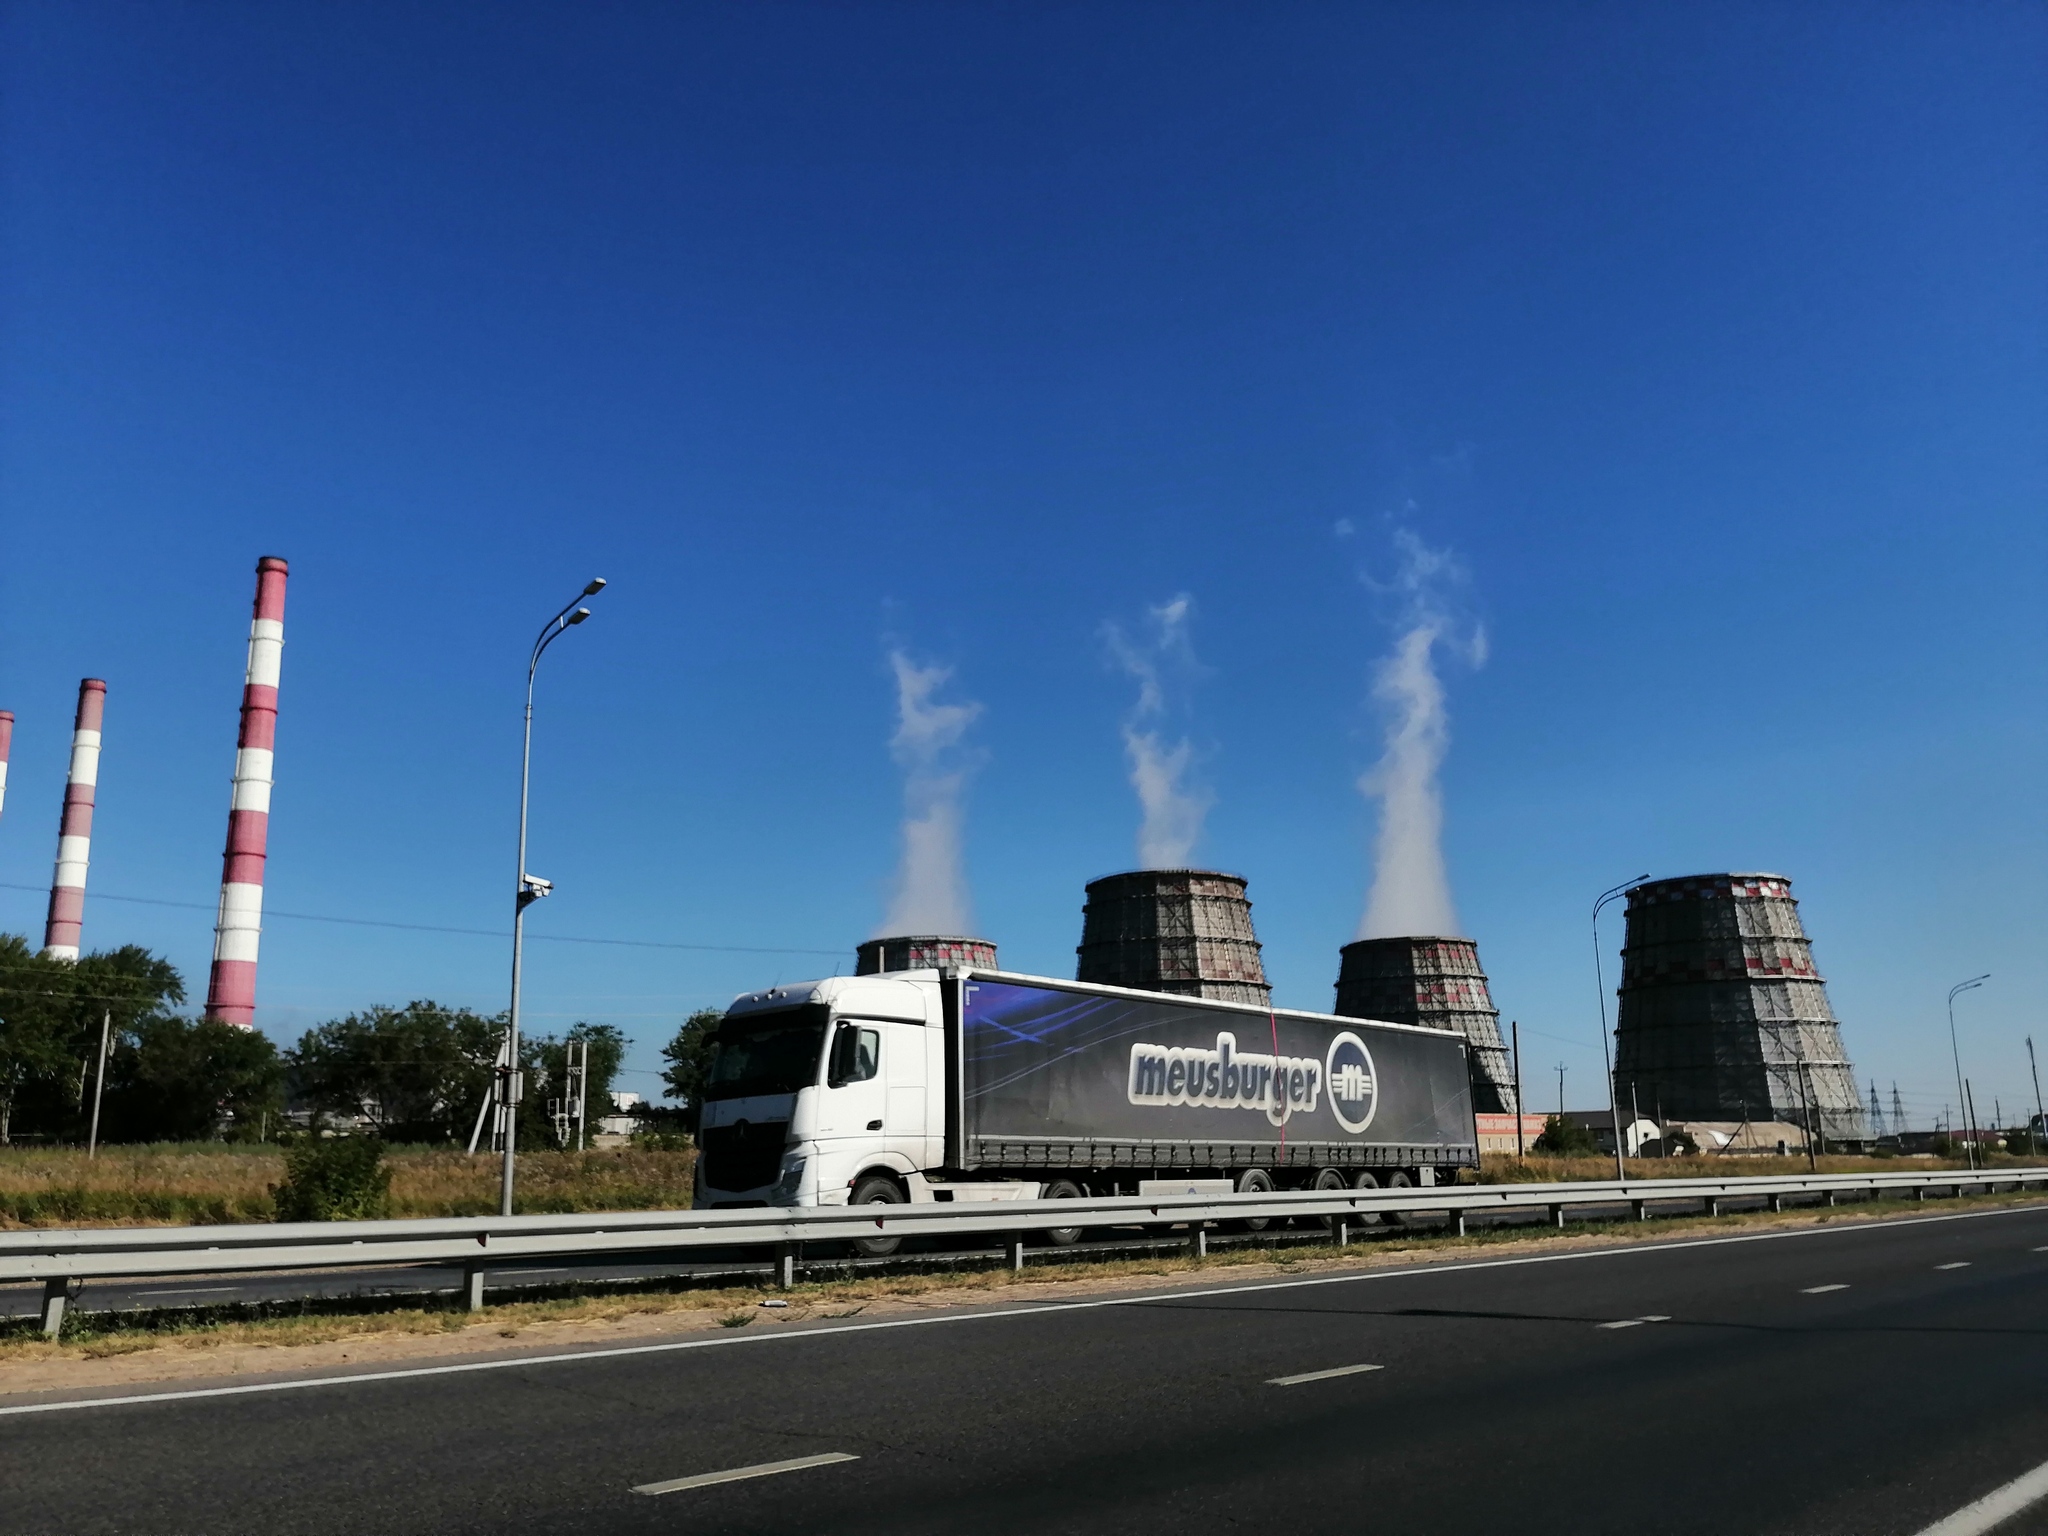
596,586
578,616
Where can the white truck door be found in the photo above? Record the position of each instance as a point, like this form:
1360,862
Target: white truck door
854,1103
906,1072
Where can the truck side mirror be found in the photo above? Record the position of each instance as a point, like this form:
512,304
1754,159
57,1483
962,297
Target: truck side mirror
845,1054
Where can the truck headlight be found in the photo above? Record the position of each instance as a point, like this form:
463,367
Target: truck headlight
788,1182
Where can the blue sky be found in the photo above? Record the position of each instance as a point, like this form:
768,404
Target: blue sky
1709,341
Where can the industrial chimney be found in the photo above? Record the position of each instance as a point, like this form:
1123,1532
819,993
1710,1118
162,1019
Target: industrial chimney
923,952
1185,931
74,833
1436,983
1723,1016
6,746
231,989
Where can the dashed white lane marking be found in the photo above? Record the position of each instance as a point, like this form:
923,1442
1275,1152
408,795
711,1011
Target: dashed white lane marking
1637,1322
741,1474
1342,1370
1822,1290
1996,1507
1959,1264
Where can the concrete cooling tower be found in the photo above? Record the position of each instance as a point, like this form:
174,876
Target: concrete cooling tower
1186,931
922,952
1723,1016
1437,983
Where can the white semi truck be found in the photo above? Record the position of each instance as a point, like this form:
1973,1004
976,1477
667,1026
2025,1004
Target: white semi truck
955,1085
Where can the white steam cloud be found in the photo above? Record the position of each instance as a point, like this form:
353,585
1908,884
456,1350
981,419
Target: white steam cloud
1173,809
931,884
1411,891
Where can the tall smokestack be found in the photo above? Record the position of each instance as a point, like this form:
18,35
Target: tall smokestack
74,834
6,745
231,989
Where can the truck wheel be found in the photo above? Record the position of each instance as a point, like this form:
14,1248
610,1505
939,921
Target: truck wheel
1062,1189
876,1189
1400,1178
1255,1181
1367,1179
1329,1181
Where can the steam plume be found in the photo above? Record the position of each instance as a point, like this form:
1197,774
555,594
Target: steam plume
931,886
1411,892
1173,811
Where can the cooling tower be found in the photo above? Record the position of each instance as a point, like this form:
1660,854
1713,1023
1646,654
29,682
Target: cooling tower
922,952
1186,931
1723,1016
1437,983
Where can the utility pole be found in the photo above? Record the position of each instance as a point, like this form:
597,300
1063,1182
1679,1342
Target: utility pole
99,1087
1560,1093
1515,1029
2040,1118
576,1060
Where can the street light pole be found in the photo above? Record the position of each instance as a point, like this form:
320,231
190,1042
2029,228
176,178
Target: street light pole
529,890
1955,1051
1600,983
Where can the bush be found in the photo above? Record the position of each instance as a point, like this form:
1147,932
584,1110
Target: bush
345,1179
1563,1138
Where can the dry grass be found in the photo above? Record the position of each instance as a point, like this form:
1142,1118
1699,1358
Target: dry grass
210,1183
1502,1168
109,1335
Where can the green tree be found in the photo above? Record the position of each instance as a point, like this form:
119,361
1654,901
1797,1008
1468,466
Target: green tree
51,1013
178,1079
1565,1138
417,1073
689,1061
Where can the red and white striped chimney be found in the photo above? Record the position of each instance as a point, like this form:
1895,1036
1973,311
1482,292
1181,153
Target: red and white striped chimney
231,989
6,745
74,833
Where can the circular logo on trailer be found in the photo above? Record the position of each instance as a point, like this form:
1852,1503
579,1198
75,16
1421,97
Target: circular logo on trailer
1354,1086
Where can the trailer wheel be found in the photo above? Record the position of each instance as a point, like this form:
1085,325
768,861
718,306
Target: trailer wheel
1328,1181
1400,1178
1255,1181
1062,1189
1367,1179
877,1189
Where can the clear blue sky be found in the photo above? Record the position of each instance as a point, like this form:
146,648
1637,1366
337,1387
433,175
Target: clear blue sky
1709,338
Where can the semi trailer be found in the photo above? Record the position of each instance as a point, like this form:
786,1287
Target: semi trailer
961,1084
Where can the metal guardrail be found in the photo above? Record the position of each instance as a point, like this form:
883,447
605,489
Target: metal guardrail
59,1258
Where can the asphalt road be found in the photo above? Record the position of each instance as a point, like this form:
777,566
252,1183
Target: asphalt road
1863,1380
222,1289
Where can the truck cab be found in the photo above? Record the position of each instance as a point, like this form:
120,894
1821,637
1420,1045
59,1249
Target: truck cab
815,1085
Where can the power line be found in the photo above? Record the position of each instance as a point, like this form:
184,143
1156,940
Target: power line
477,933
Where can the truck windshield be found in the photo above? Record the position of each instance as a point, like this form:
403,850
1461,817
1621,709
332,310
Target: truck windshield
774,1052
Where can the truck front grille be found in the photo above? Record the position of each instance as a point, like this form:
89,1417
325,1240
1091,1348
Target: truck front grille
743,1156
